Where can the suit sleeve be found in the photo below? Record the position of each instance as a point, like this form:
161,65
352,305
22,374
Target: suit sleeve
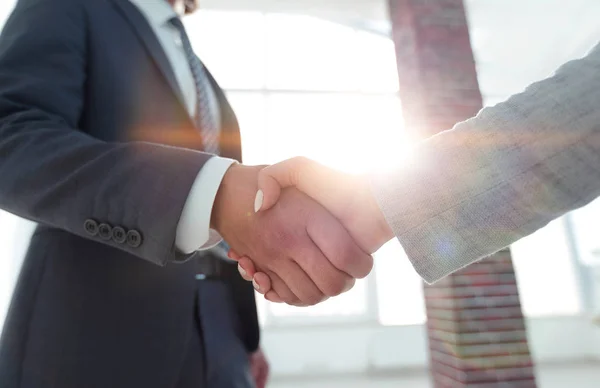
54,174
500,176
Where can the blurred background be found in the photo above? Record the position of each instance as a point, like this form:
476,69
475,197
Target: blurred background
296,71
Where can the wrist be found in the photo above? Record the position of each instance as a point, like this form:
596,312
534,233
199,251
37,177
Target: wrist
218,213
235,196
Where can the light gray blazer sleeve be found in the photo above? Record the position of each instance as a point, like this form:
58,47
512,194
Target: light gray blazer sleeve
499,176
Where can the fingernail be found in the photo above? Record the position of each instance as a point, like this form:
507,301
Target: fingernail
255,285
258,201
242,271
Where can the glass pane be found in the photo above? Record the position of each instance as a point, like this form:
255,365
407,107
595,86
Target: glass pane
354,133
8,237
232,45
250,108
305,53
377,71
397,277
546,274
502,31
14,241
261,309
6,7
586,224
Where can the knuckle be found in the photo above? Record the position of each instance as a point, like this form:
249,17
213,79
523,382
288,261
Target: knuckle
300,168
300,161
353,261
296,176
336,287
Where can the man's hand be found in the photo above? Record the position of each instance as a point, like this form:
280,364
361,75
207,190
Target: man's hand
301,247
259,367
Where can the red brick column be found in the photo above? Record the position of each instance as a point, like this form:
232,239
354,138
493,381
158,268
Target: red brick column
477,334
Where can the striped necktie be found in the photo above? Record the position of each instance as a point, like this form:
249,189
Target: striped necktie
207,115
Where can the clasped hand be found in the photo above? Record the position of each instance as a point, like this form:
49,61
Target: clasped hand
348,198
301,248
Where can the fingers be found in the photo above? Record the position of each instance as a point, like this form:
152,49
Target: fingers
299,282
311,277
291,172
319,265
272,296
338,246
262,282
330,280
283,291
246,268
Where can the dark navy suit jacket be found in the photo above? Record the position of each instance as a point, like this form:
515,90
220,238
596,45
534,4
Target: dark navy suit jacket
93,130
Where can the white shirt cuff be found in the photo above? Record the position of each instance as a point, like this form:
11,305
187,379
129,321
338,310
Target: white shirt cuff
193,230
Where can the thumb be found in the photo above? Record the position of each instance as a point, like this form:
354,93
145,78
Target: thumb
271,179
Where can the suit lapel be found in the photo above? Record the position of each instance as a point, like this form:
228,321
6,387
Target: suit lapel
145,33
230,133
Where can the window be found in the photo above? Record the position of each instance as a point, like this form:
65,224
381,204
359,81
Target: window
304,86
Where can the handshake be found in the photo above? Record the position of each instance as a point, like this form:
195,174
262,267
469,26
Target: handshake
300,231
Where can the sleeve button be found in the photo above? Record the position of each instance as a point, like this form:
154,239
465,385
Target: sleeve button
134,238
119,235
105,231
91,227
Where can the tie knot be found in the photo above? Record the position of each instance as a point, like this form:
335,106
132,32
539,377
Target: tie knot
177,23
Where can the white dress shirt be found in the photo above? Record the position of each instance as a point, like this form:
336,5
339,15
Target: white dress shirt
193,230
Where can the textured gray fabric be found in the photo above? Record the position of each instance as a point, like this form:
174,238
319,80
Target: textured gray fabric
500,176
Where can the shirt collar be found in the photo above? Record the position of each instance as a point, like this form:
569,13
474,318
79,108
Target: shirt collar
158,12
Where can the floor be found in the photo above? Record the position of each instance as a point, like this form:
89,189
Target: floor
551,376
